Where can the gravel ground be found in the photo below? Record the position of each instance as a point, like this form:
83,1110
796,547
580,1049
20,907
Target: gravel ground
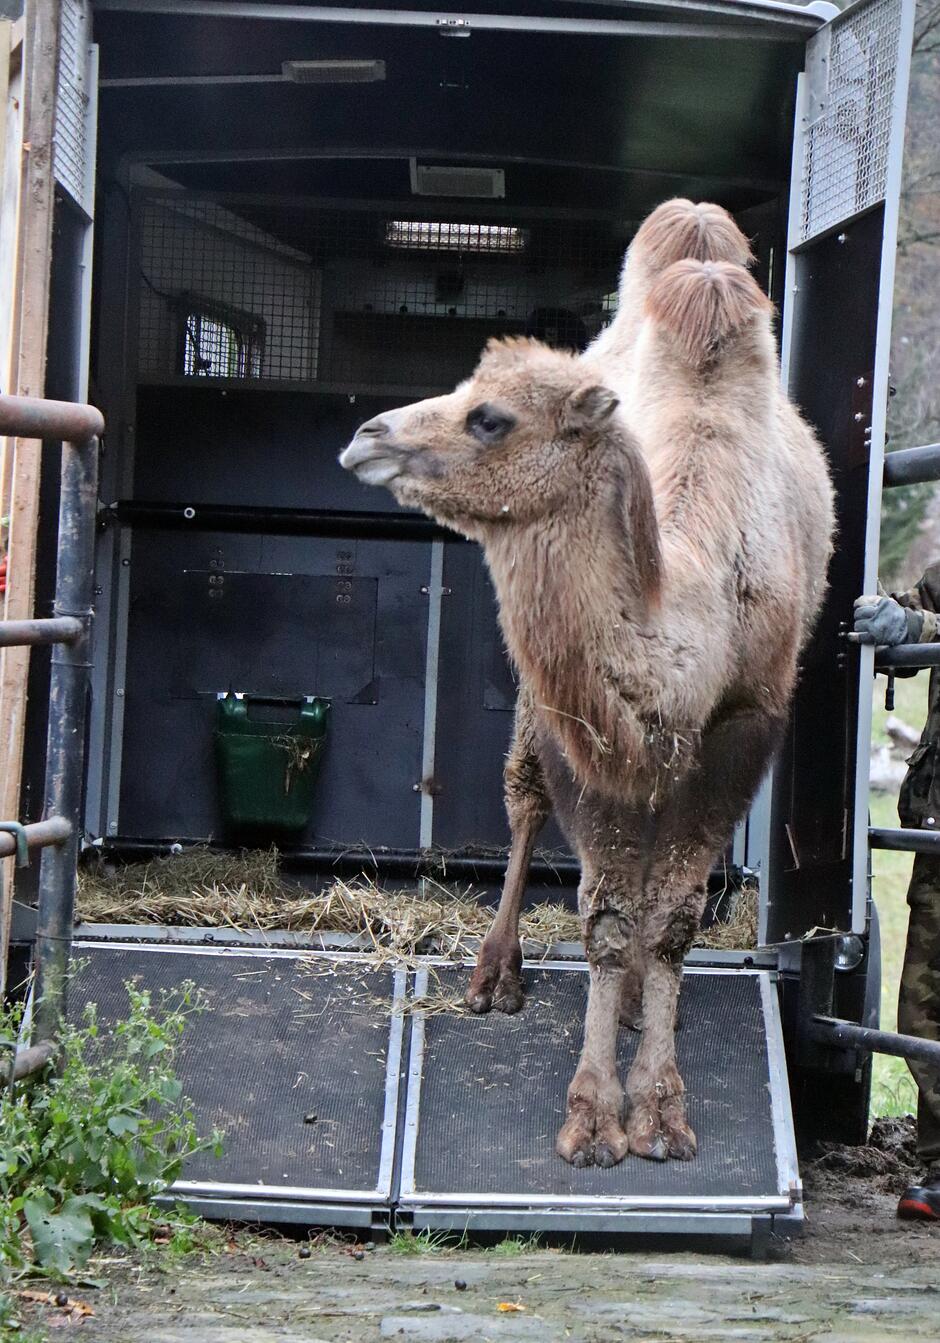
856,1276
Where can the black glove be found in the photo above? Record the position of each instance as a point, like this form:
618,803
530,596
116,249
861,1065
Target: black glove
882,620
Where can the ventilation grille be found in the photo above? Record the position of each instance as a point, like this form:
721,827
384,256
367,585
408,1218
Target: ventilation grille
72,170
333,72
851,68
487,184
346,300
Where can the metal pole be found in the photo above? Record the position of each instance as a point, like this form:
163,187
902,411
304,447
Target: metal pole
19,633
912,466
65,741
54,831
905,841
830,1031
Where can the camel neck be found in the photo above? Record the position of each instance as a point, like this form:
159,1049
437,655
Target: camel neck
576,591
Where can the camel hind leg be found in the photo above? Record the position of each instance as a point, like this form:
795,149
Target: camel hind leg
496,981
695,823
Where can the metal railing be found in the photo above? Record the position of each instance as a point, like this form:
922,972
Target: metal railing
68,630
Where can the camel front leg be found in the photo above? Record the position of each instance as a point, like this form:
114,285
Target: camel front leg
496,981
656,1123
593,1133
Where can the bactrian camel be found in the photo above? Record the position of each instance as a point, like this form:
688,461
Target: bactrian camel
646,510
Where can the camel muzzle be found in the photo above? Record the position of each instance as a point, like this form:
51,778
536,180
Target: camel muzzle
372,457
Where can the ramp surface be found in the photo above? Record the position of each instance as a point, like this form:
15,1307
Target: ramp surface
487,1097
296,1058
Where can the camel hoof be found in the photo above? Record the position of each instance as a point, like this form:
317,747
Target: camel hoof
606,1156
509,995
583,1142
496,982
632,1020
650,1148
680,1141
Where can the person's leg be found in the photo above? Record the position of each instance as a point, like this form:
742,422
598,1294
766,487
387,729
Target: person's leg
919,1002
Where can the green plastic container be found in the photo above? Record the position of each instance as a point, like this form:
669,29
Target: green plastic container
268,762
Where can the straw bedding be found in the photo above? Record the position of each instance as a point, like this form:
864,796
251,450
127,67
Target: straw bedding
204,888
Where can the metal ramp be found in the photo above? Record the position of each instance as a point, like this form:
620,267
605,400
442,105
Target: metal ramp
487,1095
341,1109
297,1057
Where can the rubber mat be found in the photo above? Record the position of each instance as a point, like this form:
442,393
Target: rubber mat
295,1058
487,1096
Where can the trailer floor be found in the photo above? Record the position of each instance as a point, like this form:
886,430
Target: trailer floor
857,1276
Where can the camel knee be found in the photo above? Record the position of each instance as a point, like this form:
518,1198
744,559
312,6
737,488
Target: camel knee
610,941
673,931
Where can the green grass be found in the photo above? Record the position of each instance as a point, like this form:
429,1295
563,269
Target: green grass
420,1242
515,1245
893,1090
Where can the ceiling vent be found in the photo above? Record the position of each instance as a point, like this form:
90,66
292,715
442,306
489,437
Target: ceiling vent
485,184
333,72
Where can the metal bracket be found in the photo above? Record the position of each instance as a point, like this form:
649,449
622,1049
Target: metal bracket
22,845
450,27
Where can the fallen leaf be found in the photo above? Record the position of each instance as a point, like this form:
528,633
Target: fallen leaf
510,1305
75,1308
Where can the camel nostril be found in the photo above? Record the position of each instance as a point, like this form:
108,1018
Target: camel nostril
375,427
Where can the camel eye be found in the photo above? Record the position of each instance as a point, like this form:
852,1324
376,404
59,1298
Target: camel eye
488,424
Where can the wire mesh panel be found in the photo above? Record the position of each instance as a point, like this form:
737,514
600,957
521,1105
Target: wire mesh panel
280,292
851,68
71,116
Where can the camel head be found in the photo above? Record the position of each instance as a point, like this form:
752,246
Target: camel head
511,444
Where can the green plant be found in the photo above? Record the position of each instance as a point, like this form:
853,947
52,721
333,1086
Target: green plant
515,1245
87,1146
420,1242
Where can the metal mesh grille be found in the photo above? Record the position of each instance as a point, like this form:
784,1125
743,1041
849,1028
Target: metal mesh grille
852,84
286,293
71,119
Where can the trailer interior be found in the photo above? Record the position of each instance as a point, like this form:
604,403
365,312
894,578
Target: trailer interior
273,222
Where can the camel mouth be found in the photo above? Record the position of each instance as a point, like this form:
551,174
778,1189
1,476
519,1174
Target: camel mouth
372,462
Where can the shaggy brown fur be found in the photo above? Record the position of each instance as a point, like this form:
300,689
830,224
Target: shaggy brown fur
640,556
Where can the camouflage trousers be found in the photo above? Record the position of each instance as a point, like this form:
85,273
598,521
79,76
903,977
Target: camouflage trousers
919,999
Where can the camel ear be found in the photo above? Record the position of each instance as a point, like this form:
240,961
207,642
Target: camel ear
590,407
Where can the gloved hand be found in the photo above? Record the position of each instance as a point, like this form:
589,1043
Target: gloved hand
882,620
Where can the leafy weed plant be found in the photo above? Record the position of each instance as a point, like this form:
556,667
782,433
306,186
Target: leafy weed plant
86,1146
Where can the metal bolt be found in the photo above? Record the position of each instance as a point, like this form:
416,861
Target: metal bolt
931,820
112,828
125,563
860,382
859,416
843,237
416,788
189,514
119,693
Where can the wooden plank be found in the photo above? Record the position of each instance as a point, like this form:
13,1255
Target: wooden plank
26,376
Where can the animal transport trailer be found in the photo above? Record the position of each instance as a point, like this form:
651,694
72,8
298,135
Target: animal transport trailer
274,221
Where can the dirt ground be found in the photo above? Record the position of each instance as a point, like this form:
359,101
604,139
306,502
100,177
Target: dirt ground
857,1275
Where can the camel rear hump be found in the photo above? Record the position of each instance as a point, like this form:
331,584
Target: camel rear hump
703,306
681,228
